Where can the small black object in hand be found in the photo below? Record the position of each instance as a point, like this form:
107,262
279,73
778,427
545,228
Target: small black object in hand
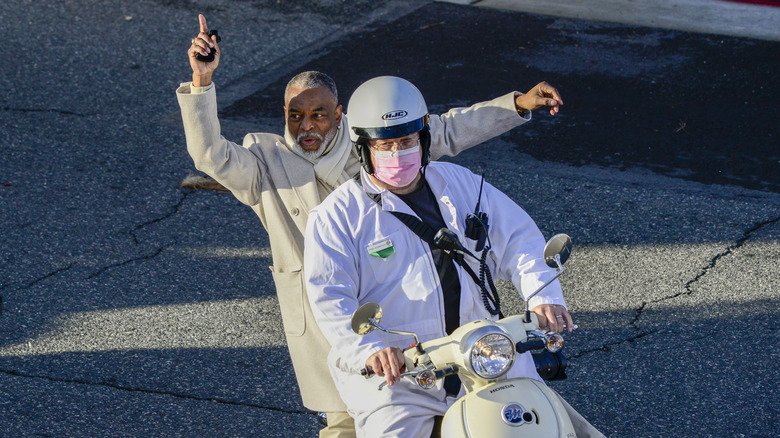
210,56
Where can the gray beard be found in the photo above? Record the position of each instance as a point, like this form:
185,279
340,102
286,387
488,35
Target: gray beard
314,155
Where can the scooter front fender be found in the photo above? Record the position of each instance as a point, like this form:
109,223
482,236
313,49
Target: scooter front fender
509,408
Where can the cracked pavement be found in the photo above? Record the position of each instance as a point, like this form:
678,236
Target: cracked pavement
132,307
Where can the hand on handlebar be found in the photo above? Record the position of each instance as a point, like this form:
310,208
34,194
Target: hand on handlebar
554,316
387,363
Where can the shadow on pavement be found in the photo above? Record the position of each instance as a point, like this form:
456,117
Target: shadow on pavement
698,107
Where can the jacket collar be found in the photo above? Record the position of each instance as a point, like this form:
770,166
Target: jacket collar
300,173
391,201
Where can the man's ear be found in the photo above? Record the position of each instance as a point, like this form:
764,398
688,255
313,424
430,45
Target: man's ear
285,112
338,112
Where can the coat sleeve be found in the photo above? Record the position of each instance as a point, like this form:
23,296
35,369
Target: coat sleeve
237,168
463,128
332,282
518,246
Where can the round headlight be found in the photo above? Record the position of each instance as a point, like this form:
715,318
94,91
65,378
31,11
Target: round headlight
492,355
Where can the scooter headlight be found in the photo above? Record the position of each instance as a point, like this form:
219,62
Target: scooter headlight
492,355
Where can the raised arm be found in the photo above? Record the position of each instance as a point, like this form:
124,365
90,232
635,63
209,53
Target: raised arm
463,128
239,169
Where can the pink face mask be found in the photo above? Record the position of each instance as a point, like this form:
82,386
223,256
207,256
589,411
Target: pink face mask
397,168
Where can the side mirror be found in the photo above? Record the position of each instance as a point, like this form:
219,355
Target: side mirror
559,245
366,318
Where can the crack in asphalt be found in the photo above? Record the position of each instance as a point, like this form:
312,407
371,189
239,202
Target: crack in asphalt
158,392
45,110
687,289
149,256
608,346
174,210
39,279
133,233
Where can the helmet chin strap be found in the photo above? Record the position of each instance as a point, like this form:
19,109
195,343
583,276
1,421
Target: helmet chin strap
364,152
425,143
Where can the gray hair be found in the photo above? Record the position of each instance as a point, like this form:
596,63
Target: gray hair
312,79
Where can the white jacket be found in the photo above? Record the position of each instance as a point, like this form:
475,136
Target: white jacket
281,187
341,274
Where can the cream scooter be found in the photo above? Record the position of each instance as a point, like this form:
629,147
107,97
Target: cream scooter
481,353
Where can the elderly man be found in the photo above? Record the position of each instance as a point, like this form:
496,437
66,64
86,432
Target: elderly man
367,242
283,178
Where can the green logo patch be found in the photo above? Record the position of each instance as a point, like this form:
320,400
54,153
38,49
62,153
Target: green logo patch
382,249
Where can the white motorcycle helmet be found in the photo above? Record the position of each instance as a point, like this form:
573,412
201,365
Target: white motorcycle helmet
387,107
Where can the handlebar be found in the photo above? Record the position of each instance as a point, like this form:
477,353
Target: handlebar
532,344
438,374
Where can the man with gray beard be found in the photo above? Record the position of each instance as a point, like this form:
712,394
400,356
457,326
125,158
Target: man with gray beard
283,178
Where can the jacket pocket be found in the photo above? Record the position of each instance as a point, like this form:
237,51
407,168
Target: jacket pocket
385,255
290,292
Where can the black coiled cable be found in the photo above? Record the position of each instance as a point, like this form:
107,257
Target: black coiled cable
492,301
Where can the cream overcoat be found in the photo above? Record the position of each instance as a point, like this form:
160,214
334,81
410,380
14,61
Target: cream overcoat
280,187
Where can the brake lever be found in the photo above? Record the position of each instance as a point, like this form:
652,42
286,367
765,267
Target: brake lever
408,373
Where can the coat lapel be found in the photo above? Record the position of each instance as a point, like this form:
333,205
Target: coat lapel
300,173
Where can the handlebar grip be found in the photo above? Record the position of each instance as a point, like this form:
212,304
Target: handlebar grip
444,372
365,372
533,344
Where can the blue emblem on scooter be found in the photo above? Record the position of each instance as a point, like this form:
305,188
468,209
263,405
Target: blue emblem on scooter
515,415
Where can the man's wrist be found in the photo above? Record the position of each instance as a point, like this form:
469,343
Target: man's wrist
201,80
522,112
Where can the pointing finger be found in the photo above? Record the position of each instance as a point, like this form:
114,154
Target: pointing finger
203,27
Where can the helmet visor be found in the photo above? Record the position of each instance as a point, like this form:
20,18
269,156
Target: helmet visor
396,131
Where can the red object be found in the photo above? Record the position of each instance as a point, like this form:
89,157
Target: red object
758,2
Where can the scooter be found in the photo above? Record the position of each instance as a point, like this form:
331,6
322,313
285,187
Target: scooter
481,353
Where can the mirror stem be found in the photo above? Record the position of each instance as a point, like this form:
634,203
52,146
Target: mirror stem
558,274
417,344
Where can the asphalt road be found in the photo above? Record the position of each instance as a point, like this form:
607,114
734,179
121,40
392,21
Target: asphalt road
132,307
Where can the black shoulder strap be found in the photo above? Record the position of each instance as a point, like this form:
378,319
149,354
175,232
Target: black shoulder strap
425,233
417,226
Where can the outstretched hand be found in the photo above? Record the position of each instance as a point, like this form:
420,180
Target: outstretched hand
203,44
543,94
